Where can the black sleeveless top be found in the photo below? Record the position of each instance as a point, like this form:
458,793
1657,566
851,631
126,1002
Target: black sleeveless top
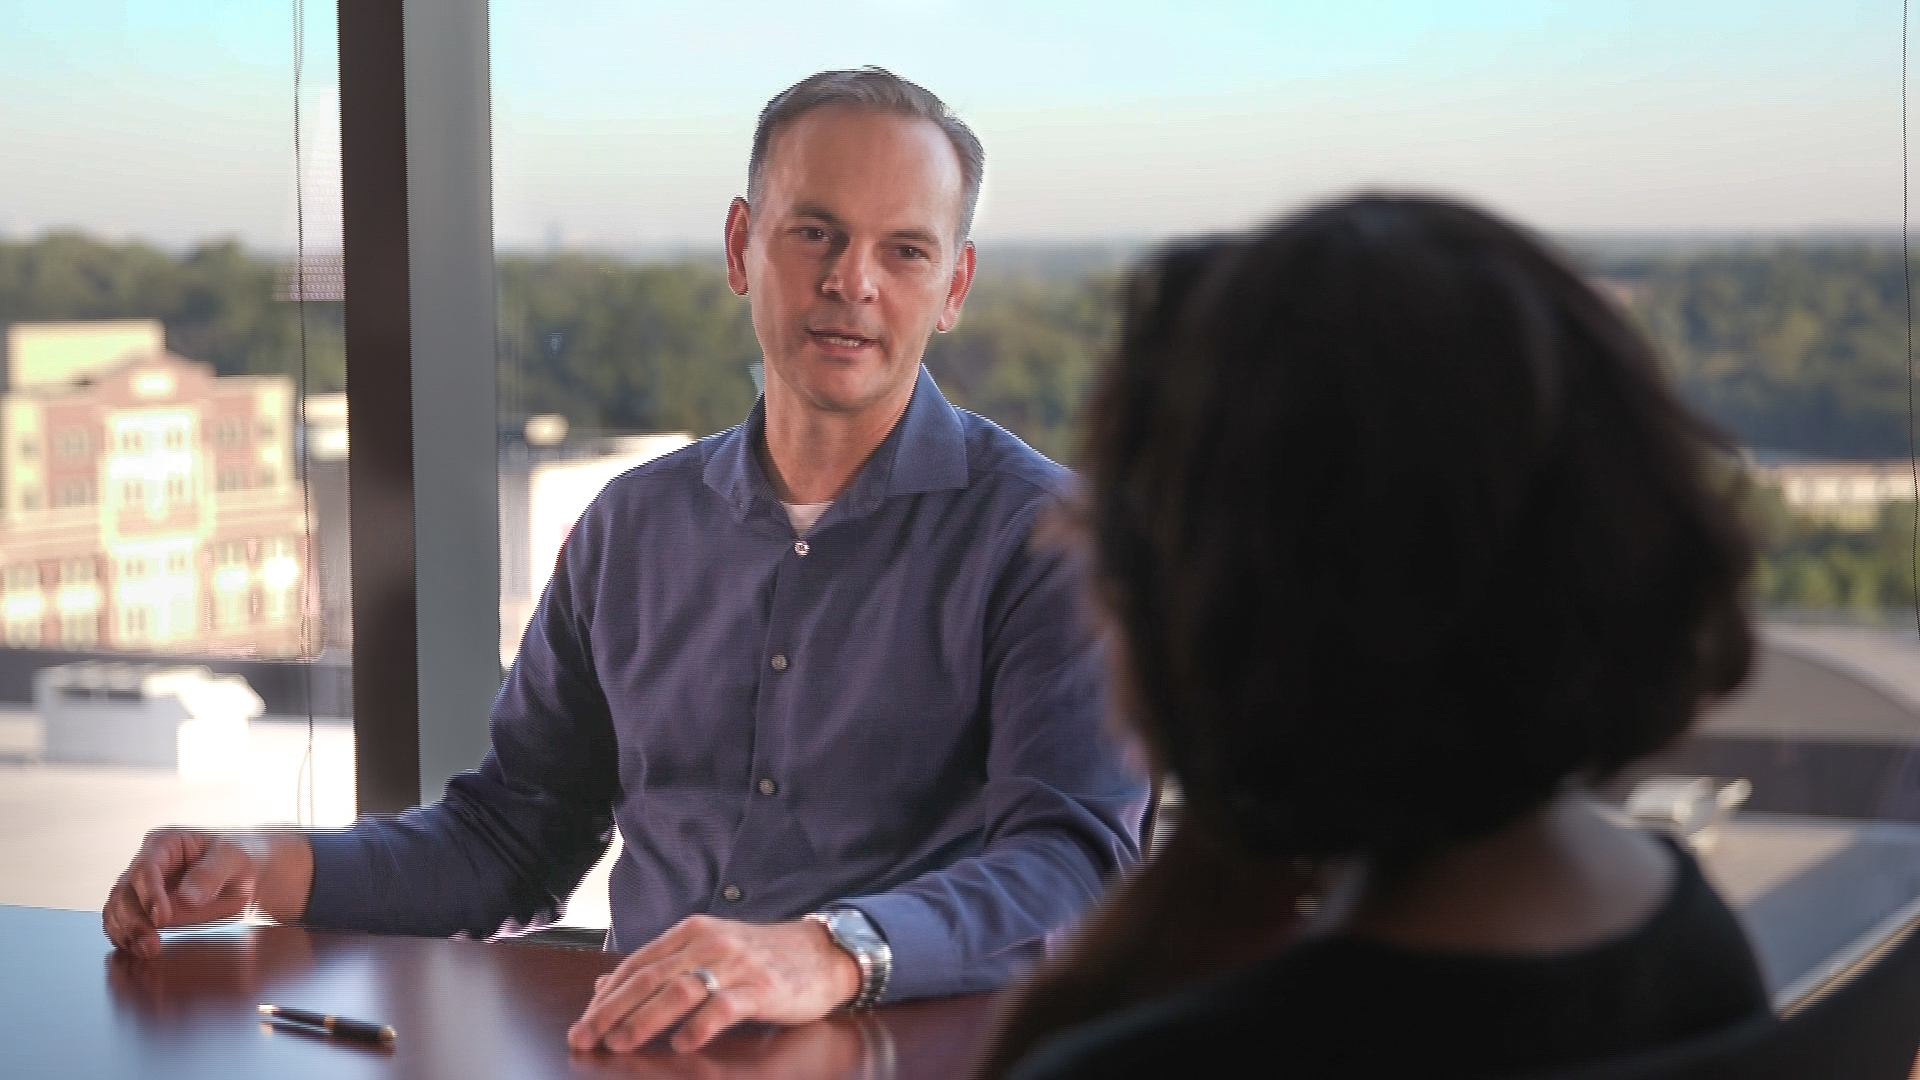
1341,1006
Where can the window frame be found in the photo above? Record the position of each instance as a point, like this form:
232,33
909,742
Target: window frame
415,119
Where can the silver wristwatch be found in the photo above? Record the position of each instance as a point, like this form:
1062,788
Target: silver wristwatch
854,932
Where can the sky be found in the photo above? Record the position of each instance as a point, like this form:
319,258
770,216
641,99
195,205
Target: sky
622,123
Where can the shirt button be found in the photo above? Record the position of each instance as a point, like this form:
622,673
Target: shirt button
768,787
800,548
731,892
779,661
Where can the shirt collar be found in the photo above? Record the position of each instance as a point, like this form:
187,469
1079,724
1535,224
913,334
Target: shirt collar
925,451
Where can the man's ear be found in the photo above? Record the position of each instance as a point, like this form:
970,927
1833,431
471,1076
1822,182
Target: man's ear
739,218
957,288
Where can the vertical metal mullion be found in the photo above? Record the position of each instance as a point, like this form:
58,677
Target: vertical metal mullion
455,412
380,463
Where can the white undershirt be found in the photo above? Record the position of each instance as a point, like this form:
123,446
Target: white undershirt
804,516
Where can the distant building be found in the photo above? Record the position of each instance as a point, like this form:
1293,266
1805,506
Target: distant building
545,482
56,354
325,442
146,504
1843,492
542,495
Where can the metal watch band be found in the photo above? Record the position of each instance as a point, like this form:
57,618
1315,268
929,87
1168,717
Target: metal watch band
854,933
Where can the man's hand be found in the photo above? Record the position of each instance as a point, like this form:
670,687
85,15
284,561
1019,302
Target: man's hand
183,877
838,1048
789,973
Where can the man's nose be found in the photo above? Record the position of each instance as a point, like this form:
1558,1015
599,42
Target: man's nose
850,277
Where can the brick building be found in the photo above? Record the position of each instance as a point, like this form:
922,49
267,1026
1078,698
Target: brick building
146,504
1847,493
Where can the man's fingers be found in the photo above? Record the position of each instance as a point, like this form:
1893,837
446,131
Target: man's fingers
113,920
719,1012
654,989
675,999
148,896
615,995
125,922
163,855
150,885
781,973
138,881
676,939
221,866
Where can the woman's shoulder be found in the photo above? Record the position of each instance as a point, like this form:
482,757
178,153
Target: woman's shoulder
1692,941
1694,911
1336,1003
1193,1028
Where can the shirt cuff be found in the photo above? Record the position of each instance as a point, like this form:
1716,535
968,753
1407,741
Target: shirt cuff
925,961
342,897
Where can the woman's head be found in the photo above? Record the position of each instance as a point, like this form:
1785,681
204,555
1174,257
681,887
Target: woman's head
1401,527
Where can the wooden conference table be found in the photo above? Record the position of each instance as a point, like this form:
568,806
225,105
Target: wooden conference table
70,1007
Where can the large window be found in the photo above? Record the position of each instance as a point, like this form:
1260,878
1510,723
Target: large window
1725,172
173,424
172,535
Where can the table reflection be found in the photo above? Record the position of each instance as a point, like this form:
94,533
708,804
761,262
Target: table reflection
200,976
841,1048
475,1010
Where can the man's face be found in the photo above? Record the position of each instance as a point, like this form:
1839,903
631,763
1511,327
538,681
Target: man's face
851,256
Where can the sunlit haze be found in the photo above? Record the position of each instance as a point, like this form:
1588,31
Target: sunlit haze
620,124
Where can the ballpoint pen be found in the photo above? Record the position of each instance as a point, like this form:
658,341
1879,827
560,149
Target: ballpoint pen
338,1026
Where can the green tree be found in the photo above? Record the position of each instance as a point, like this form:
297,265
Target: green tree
1794,347
1024,352
616,346
216,302
1809,563
611,345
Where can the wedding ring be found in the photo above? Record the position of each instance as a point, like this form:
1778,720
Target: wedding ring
707,980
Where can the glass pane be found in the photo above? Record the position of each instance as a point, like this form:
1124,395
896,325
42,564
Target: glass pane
1754,238
173,576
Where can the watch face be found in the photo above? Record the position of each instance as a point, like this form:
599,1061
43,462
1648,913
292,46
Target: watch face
852,930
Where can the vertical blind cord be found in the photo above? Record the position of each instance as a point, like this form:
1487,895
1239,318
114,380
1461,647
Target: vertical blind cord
1906,278
308,612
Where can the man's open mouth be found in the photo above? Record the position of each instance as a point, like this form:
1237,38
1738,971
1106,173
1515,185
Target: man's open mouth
839,340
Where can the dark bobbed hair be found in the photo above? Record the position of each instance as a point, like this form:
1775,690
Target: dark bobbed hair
1401,526
877,90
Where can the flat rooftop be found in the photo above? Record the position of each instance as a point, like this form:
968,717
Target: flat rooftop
66,831
1810,891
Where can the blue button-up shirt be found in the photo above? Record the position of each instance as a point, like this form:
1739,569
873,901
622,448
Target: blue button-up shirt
903,714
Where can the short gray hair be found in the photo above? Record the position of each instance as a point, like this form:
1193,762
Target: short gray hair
871,89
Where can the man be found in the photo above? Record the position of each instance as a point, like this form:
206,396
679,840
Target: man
844,712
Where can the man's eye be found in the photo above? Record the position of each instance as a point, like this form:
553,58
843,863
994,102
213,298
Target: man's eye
912,253
808,232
